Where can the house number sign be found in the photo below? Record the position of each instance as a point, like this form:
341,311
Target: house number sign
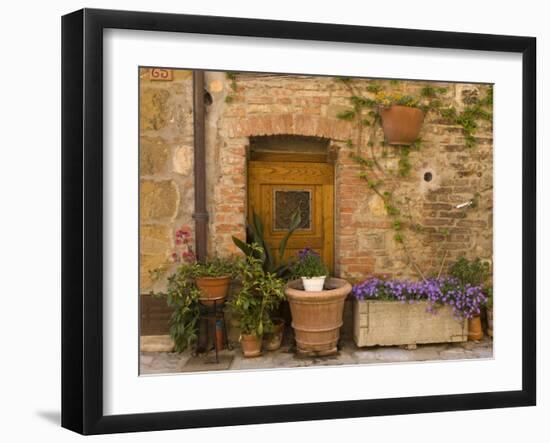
161,74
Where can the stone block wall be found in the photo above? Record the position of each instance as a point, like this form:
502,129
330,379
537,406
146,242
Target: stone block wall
166,166
263,104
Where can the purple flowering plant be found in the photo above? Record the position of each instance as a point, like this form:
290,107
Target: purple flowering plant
308,264
465,299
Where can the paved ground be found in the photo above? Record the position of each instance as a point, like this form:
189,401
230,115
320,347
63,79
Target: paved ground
285,357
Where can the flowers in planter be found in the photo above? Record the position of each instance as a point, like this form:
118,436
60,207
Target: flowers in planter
465,299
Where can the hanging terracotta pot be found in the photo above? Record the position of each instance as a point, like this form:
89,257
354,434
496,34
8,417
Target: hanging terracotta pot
273,339
475,331
401,124
252,345
213,288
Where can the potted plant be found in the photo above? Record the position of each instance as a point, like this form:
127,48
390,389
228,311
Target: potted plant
213,278
316,315
471,273
260,293
401,118
272,340
182,296
190,283
310,269
273,264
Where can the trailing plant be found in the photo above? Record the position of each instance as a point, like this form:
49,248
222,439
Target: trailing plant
232,76
255,234
465,300
260,294
308,264
381,98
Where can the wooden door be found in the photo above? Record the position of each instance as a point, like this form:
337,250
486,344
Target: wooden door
277,189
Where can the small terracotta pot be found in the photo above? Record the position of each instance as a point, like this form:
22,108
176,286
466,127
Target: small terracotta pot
213,288
475,331
273,340
401,124
490,322
252,345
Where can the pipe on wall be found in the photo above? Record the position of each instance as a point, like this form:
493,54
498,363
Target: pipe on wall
200,215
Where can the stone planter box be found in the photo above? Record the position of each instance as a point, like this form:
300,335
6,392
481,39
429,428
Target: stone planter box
387,323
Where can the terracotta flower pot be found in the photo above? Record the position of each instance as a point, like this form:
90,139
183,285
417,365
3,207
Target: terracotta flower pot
401,124
475,332
273,340
252,345
317,316
490,322
213,288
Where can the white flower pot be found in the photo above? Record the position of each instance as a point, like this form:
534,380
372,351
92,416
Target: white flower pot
313,284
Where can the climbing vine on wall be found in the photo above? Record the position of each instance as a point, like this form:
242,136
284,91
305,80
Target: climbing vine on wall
365,114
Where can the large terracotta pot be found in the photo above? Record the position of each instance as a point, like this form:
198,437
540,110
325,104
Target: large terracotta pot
317,316
401,124
213,288
475,331
252,345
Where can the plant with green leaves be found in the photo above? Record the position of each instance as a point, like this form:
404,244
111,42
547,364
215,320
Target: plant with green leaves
182,296
260,294
473,272
216,267
255,233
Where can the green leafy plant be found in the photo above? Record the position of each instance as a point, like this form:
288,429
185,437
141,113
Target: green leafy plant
182,296
260,294
217,267
308,264
472,272
255,233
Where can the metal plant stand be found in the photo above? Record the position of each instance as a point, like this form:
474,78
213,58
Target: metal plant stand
211,310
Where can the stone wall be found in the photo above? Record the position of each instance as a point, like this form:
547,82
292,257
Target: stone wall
309,105
166,166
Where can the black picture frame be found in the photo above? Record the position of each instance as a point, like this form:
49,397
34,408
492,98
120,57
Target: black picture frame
82,216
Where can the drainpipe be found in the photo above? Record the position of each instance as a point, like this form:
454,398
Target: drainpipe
200,215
